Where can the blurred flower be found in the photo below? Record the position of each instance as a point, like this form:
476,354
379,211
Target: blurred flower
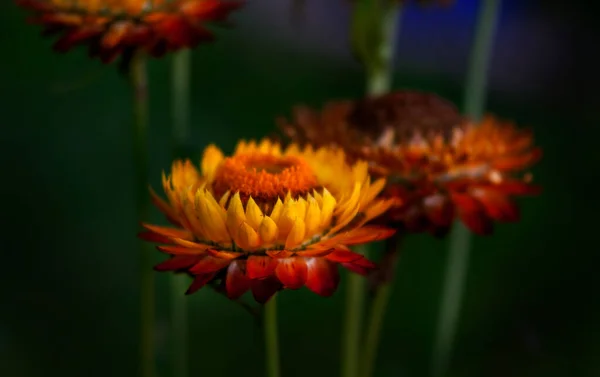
440,164
266,219
114,27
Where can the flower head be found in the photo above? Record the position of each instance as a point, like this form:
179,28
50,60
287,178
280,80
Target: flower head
114,27
441,165
265,219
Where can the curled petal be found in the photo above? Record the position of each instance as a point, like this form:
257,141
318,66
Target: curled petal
472,214
258,267
322,276
291,272
264,289
237,283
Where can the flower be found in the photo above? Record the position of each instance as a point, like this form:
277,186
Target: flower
265,219
439,163
114,27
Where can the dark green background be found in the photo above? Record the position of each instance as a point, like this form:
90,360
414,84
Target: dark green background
69,273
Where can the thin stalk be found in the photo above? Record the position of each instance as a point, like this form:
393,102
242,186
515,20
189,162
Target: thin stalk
379,304
353,320
271,338
379,79
180,134
460,238
139,82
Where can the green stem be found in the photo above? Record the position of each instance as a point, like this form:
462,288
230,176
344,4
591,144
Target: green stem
383,290
179,282
139,82
380,76
460,238
271,338
351,334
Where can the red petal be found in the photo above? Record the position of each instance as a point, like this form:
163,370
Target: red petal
258,267
497,205
518,162
209,264
514,187
199,282
279,253
164,207
36,5
223,254
153,237
264,289
366,234
472,213
439,210
362,266
213,10
180,250
168,232
291,272
322,277
178,32
74,37
236,282
178,262
343,256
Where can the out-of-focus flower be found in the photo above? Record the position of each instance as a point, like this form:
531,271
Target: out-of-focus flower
266,219
114,27
440,164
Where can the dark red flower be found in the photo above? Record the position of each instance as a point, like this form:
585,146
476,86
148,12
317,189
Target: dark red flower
114,27
438,163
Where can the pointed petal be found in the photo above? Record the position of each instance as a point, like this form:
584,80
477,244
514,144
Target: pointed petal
364,235
164,207
259,267
177,262
199,282
254,215
237,283
279,253
268,230
181,250
322,276
264,289
169,232
291,272
224,254
153,237
472,214
497,205
208,264
343,256
361,266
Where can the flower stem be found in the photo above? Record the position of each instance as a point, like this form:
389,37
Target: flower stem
351,334
180,134
380,76
139,82
460,238
383,290
379,69
271,338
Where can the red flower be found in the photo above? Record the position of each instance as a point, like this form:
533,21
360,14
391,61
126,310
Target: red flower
438,163
114,27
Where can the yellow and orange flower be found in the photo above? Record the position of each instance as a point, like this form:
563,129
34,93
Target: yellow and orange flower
113,27
266,219
441,165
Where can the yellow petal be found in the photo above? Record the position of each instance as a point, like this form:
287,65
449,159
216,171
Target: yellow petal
247,238
371,191
313,217
287,219
254,215
235,214
211,159
296,235
276,212
327,208
210,217
224,198
268,230
301,206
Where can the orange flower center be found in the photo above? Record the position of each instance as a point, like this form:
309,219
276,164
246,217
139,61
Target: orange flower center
264,177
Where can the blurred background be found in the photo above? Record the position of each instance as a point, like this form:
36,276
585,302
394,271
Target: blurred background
69,282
